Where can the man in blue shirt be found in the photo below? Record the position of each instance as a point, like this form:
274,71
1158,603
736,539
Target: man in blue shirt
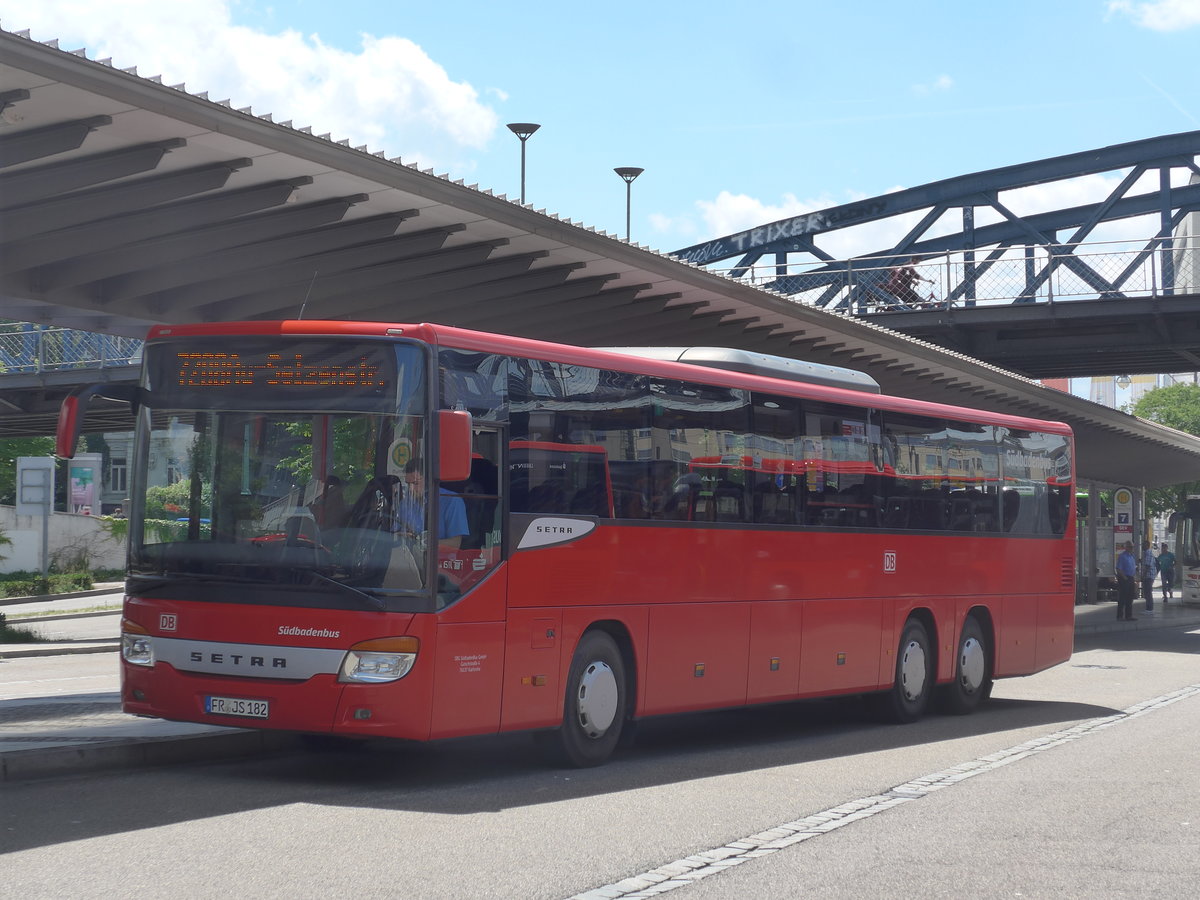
452,512
1126,583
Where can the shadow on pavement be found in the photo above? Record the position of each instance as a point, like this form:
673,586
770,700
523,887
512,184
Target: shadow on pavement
475,775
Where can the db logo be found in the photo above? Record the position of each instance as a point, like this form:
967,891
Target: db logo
889,561
167,622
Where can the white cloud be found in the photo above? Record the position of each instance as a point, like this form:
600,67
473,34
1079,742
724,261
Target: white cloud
387,93
1159,15
730,213
941,83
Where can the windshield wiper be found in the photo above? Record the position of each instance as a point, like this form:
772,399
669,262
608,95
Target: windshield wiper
370,599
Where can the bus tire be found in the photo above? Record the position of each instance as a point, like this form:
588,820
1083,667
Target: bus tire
594,706
972,671
909,695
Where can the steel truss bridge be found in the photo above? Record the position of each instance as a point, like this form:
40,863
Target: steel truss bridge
1048,293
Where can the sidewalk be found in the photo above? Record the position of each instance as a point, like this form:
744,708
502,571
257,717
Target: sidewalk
60,733
52,735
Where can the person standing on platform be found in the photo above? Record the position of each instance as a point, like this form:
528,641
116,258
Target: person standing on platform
1126,583
1166,571
1147,569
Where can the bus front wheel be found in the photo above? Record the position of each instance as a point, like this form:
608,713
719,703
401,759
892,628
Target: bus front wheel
909,696
594,707
972,671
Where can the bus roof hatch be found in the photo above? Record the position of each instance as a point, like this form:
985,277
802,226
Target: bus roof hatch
757,364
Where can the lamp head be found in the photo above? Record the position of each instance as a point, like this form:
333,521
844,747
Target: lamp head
523,129
628,172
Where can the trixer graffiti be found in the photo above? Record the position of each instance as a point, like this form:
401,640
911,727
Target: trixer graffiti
810,223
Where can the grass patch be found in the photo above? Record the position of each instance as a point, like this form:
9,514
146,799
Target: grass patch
13,635
34,584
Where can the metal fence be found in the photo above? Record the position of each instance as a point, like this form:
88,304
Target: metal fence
26,348
1033,274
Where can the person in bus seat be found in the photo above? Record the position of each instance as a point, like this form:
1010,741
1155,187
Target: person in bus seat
479,495
452,512
589,501
547,497
682,502
329,508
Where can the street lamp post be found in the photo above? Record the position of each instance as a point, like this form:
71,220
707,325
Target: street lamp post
523,130
628,173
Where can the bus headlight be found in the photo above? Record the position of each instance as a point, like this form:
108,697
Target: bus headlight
137,647
379,660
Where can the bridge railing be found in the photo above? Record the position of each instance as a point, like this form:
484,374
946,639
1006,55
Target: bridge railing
26,348
989,277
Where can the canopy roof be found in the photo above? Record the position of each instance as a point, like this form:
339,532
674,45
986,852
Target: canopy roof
127,202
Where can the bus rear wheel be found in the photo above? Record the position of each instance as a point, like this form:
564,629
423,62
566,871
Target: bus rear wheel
972,671
909,695
594,707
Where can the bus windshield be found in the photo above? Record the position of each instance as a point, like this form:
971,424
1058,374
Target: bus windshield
286,485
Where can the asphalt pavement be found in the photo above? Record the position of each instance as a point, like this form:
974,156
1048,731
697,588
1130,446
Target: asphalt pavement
60,712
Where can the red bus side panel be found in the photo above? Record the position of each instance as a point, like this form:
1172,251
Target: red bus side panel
533,688
466,681
1056,632
697,656
774,666
1016,641
842,646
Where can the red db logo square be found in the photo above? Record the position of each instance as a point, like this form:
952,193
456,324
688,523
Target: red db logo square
167,622
889,561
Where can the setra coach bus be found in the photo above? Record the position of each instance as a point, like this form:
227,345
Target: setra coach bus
422,532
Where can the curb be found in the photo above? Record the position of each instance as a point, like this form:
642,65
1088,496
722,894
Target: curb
22,618
47,598
26,764
1143,623
23,651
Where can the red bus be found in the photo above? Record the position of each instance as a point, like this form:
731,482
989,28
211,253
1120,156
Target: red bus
411,531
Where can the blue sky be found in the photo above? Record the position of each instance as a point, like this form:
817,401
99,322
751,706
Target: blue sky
739,118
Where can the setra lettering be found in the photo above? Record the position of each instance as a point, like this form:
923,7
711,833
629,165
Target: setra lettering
554,529
235,659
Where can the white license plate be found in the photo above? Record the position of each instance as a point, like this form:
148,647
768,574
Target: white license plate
237,706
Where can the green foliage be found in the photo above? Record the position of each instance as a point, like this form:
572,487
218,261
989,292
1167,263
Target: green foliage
117,529
353,450
33,584
172,501
1176,406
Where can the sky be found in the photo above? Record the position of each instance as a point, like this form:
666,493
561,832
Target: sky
738,118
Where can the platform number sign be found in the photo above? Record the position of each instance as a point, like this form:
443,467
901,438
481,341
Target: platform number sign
889,560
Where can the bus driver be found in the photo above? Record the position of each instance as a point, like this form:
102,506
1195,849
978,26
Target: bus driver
452,515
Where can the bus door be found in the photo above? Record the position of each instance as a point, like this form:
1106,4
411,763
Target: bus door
471,518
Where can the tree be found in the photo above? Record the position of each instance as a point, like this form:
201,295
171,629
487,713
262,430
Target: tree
1176,406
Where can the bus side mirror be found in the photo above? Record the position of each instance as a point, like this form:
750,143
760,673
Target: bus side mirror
1172,521
454,445
70,414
